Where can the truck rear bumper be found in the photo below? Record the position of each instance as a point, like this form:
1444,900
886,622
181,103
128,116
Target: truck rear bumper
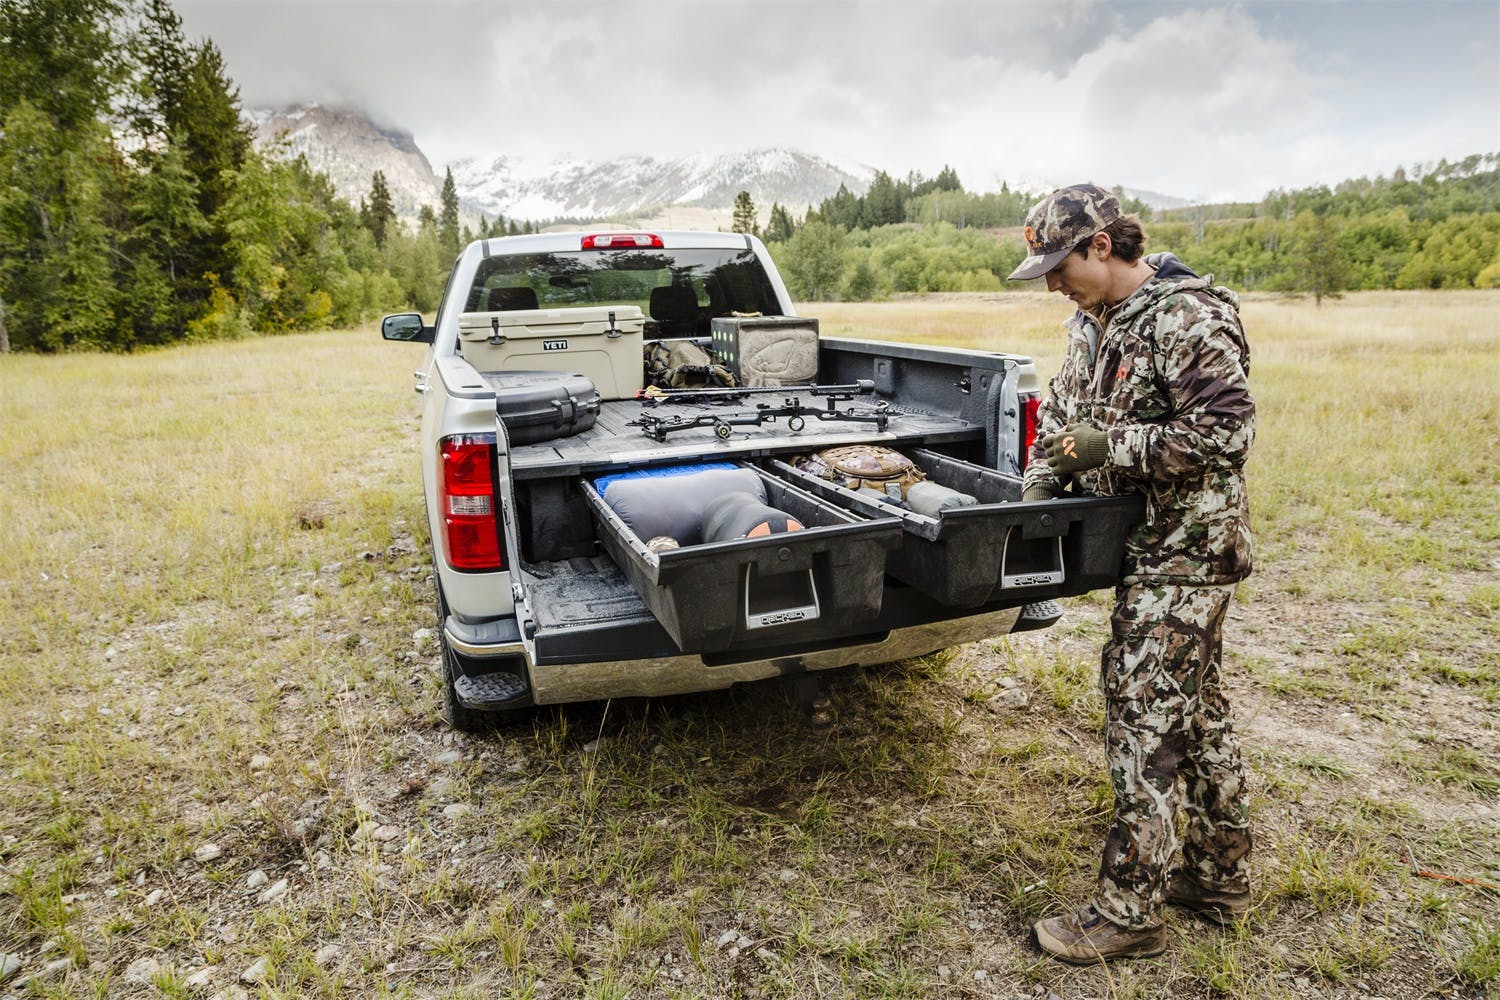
555,683
492,638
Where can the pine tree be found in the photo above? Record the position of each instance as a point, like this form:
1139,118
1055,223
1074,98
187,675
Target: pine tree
380,212
448,217
215,142
779,228
166,220
59,76
744,215
883,204
159,91
841,210
183,101
60,56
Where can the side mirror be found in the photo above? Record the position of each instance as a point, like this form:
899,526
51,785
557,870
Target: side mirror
406,326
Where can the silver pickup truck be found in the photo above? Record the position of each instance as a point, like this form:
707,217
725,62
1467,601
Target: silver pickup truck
535,398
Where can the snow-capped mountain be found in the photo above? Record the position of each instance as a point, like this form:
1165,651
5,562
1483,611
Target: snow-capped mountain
348,147
632,186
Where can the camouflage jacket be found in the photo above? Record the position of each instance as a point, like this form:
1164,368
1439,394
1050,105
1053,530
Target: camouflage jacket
1168,379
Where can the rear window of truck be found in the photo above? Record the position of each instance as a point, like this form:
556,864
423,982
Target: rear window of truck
719,282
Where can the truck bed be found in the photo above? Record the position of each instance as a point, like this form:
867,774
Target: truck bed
858,570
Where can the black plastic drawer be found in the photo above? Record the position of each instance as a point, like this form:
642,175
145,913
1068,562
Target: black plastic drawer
822,581
1001,547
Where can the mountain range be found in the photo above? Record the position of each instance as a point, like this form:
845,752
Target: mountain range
687,192
349,147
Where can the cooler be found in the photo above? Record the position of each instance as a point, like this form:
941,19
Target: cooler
603,343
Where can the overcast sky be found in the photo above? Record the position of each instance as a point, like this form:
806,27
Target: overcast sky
1202,100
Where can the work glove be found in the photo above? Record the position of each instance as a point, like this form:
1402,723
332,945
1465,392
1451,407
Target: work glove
1076,448
1042,491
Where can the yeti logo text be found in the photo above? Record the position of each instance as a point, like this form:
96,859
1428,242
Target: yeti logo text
554,345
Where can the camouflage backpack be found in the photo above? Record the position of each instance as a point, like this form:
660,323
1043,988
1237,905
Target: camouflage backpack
682,364
863,466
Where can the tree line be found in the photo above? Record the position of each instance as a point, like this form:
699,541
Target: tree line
1427,227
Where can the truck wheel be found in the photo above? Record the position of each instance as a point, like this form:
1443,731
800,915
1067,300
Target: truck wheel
463,719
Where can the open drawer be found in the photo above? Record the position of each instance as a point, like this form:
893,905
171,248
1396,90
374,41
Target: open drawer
1001,547
790,587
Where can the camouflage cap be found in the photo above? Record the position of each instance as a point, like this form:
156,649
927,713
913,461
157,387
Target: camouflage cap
1061,221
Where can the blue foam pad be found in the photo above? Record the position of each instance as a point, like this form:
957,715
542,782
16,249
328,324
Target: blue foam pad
603,483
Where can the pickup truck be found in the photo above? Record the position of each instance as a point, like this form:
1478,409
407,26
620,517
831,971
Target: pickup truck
545,594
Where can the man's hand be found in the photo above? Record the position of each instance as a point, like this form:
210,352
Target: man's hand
1076,448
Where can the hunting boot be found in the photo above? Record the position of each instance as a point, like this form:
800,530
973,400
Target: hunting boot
1086,937
1211,904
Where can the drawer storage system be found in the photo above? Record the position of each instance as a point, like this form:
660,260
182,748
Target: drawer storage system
999,548
797,586
603,343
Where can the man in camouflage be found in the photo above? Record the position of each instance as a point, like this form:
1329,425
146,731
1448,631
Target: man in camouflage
1153,398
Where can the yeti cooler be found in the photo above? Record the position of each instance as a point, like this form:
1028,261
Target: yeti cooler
603,343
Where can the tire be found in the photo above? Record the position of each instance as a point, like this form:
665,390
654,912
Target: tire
465,720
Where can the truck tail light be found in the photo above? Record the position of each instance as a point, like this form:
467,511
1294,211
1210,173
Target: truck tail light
471,512
621,241
1030,410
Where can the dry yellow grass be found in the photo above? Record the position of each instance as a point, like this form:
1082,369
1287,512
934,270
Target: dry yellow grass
213,591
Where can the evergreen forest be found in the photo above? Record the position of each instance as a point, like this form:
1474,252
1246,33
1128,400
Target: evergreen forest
136,211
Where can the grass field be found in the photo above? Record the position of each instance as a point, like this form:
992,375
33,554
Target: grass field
223,770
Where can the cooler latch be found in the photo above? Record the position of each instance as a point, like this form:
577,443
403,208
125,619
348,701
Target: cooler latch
613,333
494,337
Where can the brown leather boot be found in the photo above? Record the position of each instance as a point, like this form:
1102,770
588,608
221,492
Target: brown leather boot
1210,904
1086,937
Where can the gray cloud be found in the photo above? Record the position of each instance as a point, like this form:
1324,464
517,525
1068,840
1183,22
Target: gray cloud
1209,100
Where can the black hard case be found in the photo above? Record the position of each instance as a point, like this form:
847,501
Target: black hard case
540,405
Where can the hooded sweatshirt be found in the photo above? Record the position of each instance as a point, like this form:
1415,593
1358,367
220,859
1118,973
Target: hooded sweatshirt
1168,380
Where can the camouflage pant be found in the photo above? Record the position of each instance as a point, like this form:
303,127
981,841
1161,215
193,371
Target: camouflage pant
1167,719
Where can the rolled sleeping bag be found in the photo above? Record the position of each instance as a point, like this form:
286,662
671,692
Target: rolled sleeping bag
933,498
743,515
671,502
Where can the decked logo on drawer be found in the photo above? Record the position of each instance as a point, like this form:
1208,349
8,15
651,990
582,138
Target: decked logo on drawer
554,345
1033,579
778,618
